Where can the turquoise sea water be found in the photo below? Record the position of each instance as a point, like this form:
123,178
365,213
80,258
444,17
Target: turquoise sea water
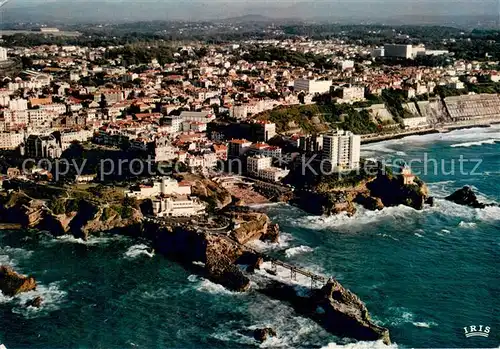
425,275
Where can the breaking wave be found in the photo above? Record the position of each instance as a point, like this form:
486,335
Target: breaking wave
361,345
139,250
362,217
463,224
265,246
205,285
11,255
298,250
423,324
476,143
292,331
53,296
93,240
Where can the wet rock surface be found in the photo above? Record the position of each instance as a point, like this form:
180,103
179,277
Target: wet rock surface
12,283
262,334
467,197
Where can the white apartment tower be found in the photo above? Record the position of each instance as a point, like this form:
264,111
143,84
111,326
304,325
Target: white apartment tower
3,54
341,151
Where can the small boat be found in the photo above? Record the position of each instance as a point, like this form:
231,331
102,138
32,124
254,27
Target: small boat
2,346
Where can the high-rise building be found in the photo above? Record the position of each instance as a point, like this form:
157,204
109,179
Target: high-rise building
398,51
341,151
3,54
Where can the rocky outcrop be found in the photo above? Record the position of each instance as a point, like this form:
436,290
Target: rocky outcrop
89,219
325,203
262,334
249,226
382,190
336,308
35,302
17,207
467,197
217,252
341,311
12,283
391,190
369,202
272,234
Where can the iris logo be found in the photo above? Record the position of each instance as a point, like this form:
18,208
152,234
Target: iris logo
477,331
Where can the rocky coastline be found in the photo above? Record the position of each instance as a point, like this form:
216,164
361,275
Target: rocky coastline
371,192
467,197
12,283
334,307
216,255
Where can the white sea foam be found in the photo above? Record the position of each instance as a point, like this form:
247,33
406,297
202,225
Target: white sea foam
11,255
418,235
292,330
204,285
361,345
463,224
399,316
491,213
476,143
52,296
388,236
156,294
92,240
361,218
298,250
441,189
264,246
139,250
266,205
424,324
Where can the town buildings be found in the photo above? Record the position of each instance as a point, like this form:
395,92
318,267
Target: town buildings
312,86
201,109
41,147
261,166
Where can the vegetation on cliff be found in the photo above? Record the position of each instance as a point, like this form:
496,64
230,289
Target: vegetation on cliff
60,215
372,186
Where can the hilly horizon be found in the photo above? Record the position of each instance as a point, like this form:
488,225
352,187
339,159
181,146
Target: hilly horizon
413,12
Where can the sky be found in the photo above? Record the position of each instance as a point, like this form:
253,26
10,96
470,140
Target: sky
217,9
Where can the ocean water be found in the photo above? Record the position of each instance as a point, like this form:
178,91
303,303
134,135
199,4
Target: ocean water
423,274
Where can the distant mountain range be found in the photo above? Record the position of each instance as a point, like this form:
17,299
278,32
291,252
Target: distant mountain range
402,11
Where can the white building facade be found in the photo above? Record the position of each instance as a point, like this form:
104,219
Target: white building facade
341,151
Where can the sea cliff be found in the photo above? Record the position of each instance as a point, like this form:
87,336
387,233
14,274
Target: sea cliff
374,189
215,247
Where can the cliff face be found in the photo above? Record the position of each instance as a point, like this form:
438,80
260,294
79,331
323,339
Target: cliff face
89,219
392,192
12,283
326,203
383,190
218,253
343,312
253,226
